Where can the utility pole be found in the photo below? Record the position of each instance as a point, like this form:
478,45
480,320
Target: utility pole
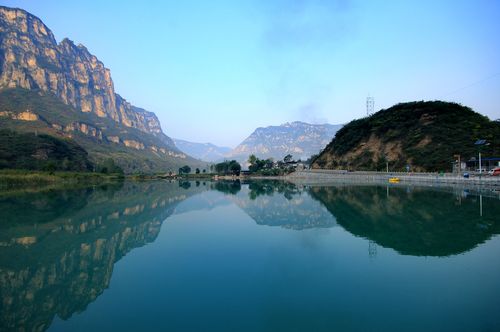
459,163
479,144
480,167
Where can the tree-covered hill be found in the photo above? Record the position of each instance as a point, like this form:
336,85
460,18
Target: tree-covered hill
41,152
424,135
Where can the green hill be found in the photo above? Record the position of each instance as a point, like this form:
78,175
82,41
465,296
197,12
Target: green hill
41,152
424,135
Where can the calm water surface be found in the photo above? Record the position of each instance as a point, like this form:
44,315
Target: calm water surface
264,256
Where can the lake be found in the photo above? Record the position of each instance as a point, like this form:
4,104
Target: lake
257,256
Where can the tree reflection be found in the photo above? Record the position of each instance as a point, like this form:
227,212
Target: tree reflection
227,187
420,222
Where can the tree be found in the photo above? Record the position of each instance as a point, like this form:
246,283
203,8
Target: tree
288,158
234,167
51,167
108,166
197,171
252,159
228,167
185,169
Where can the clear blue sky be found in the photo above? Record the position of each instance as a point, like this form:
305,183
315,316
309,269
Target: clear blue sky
213,71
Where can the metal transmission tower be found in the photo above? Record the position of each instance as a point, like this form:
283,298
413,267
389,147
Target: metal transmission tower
370,105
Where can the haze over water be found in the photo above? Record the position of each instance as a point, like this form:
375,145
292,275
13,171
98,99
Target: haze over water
269,256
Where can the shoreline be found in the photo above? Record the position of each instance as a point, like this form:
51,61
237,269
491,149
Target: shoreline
313,177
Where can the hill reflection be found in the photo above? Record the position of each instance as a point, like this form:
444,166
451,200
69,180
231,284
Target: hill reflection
58,249
419,222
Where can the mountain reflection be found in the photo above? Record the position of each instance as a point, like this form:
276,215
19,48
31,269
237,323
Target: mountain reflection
58,249
413,221
419,222
279,203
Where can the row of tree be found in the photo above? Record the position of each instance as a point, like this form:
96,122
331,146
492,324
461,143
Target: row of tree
227,167
270,167
262,166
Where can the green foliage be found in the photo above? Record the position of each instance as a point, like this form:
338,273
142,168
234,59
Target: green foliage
185,169
197,171
109,167
228,167
429,134
41,152
287,158
257,164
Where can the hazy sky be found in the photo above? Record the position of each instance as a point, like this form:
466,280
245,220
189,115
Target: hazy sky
213,71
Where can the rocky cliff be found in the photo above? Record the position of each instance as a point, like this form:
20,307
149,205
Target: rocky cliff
31,58
61,89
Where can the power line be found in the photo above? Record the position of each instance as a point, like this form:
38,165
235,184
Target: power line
472,84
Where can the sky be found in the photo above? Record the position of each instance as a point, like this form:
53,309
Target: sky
214,71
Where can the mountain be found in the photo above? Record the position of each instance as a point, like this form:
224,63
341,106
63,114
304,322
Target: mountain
299,139
424,135
203,151
67,76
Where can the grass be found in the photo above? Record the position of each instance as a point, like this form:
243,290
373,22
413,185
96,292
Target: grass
16,178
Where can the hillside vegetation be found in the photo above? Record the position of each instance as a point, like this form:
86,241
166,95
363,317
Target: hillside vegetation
52,117
41,152
424,135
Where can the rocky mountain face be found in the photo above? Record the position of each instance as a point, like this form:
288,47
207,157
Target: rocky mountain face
31,59
299,139
203,151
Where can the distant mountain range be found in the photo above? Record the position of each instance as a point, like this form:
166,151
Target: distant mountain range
62,90
299,139
203,151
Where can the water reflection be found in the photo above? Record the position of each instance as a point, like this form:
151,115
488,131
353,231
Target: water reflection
58,248
416,221
278,203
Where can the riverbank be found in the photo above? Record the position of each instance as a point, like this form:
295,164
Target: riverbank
24,177
324,176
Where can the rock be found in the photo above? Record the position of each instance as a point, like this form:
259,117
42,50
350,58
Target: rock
32,59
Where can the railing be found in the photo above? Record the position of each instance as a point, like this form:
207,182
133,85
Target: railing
449,178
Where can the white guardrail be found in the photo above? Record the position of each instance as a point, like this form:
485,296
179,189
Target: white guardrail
325,174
